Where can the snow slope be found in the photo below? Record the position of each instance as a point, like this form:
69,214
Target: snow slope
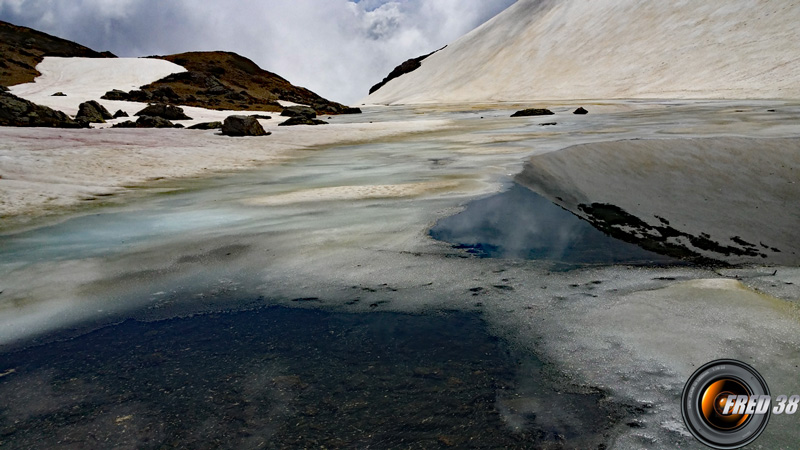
601,49
83,79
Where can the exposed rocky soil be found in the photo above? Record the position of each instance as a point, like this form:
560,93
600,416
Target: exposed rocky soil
23,48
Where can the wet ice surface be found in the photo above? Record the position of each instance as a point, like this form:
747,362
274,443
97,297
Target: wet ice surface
519,223
346,229
286,378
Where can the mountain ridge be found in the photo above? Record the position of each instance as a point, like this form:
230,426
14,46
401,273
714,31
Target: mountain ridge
214,79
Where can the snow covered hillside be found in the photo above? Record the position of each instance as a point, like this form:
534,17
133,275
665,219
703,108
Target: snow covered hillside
602,49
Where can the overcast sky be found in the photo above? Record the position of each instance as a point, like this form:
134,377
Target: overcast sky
337,48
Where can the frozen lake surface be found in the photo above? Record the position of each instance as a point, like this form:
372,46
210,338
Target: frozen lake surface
346,230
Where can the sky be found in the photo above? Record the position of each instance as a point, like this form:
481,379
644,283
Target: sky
336,48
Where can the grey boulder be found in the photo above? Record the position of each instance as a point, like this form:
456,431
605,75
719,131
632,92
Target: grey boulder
242,126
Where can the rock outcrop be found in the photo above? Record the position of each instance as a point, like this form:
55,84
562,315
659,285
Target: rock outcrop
407,67
224,80
165,111
242,126
18,112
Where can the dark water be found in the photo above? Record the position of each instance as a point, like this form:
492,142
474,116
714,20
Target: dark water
521,224
290,378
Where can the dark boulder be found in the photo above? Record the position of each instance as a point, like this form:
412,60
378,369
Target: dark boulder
261,116
206,126
533,112
120,113
351,111
242,126
165,111
137,95
59,94
166,92
18,112
153,122
299,111
147,122
116,94
126,124
580,111
92,112
302,120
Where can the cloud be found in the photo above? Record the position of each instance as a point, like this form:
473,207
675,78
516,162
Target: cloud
337,48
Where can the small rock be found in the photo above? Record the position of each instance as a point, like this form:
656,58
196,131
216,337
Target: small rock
122,419
261,116
242,126
533,112
426,372
116,94
120,113
447,441
206,126
302,120
580,110
351,111
165,111
125,124
547,124
59,94
299,111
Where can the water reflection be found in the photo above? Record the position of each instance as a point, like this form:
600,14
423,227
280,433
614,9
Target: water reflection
521,224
